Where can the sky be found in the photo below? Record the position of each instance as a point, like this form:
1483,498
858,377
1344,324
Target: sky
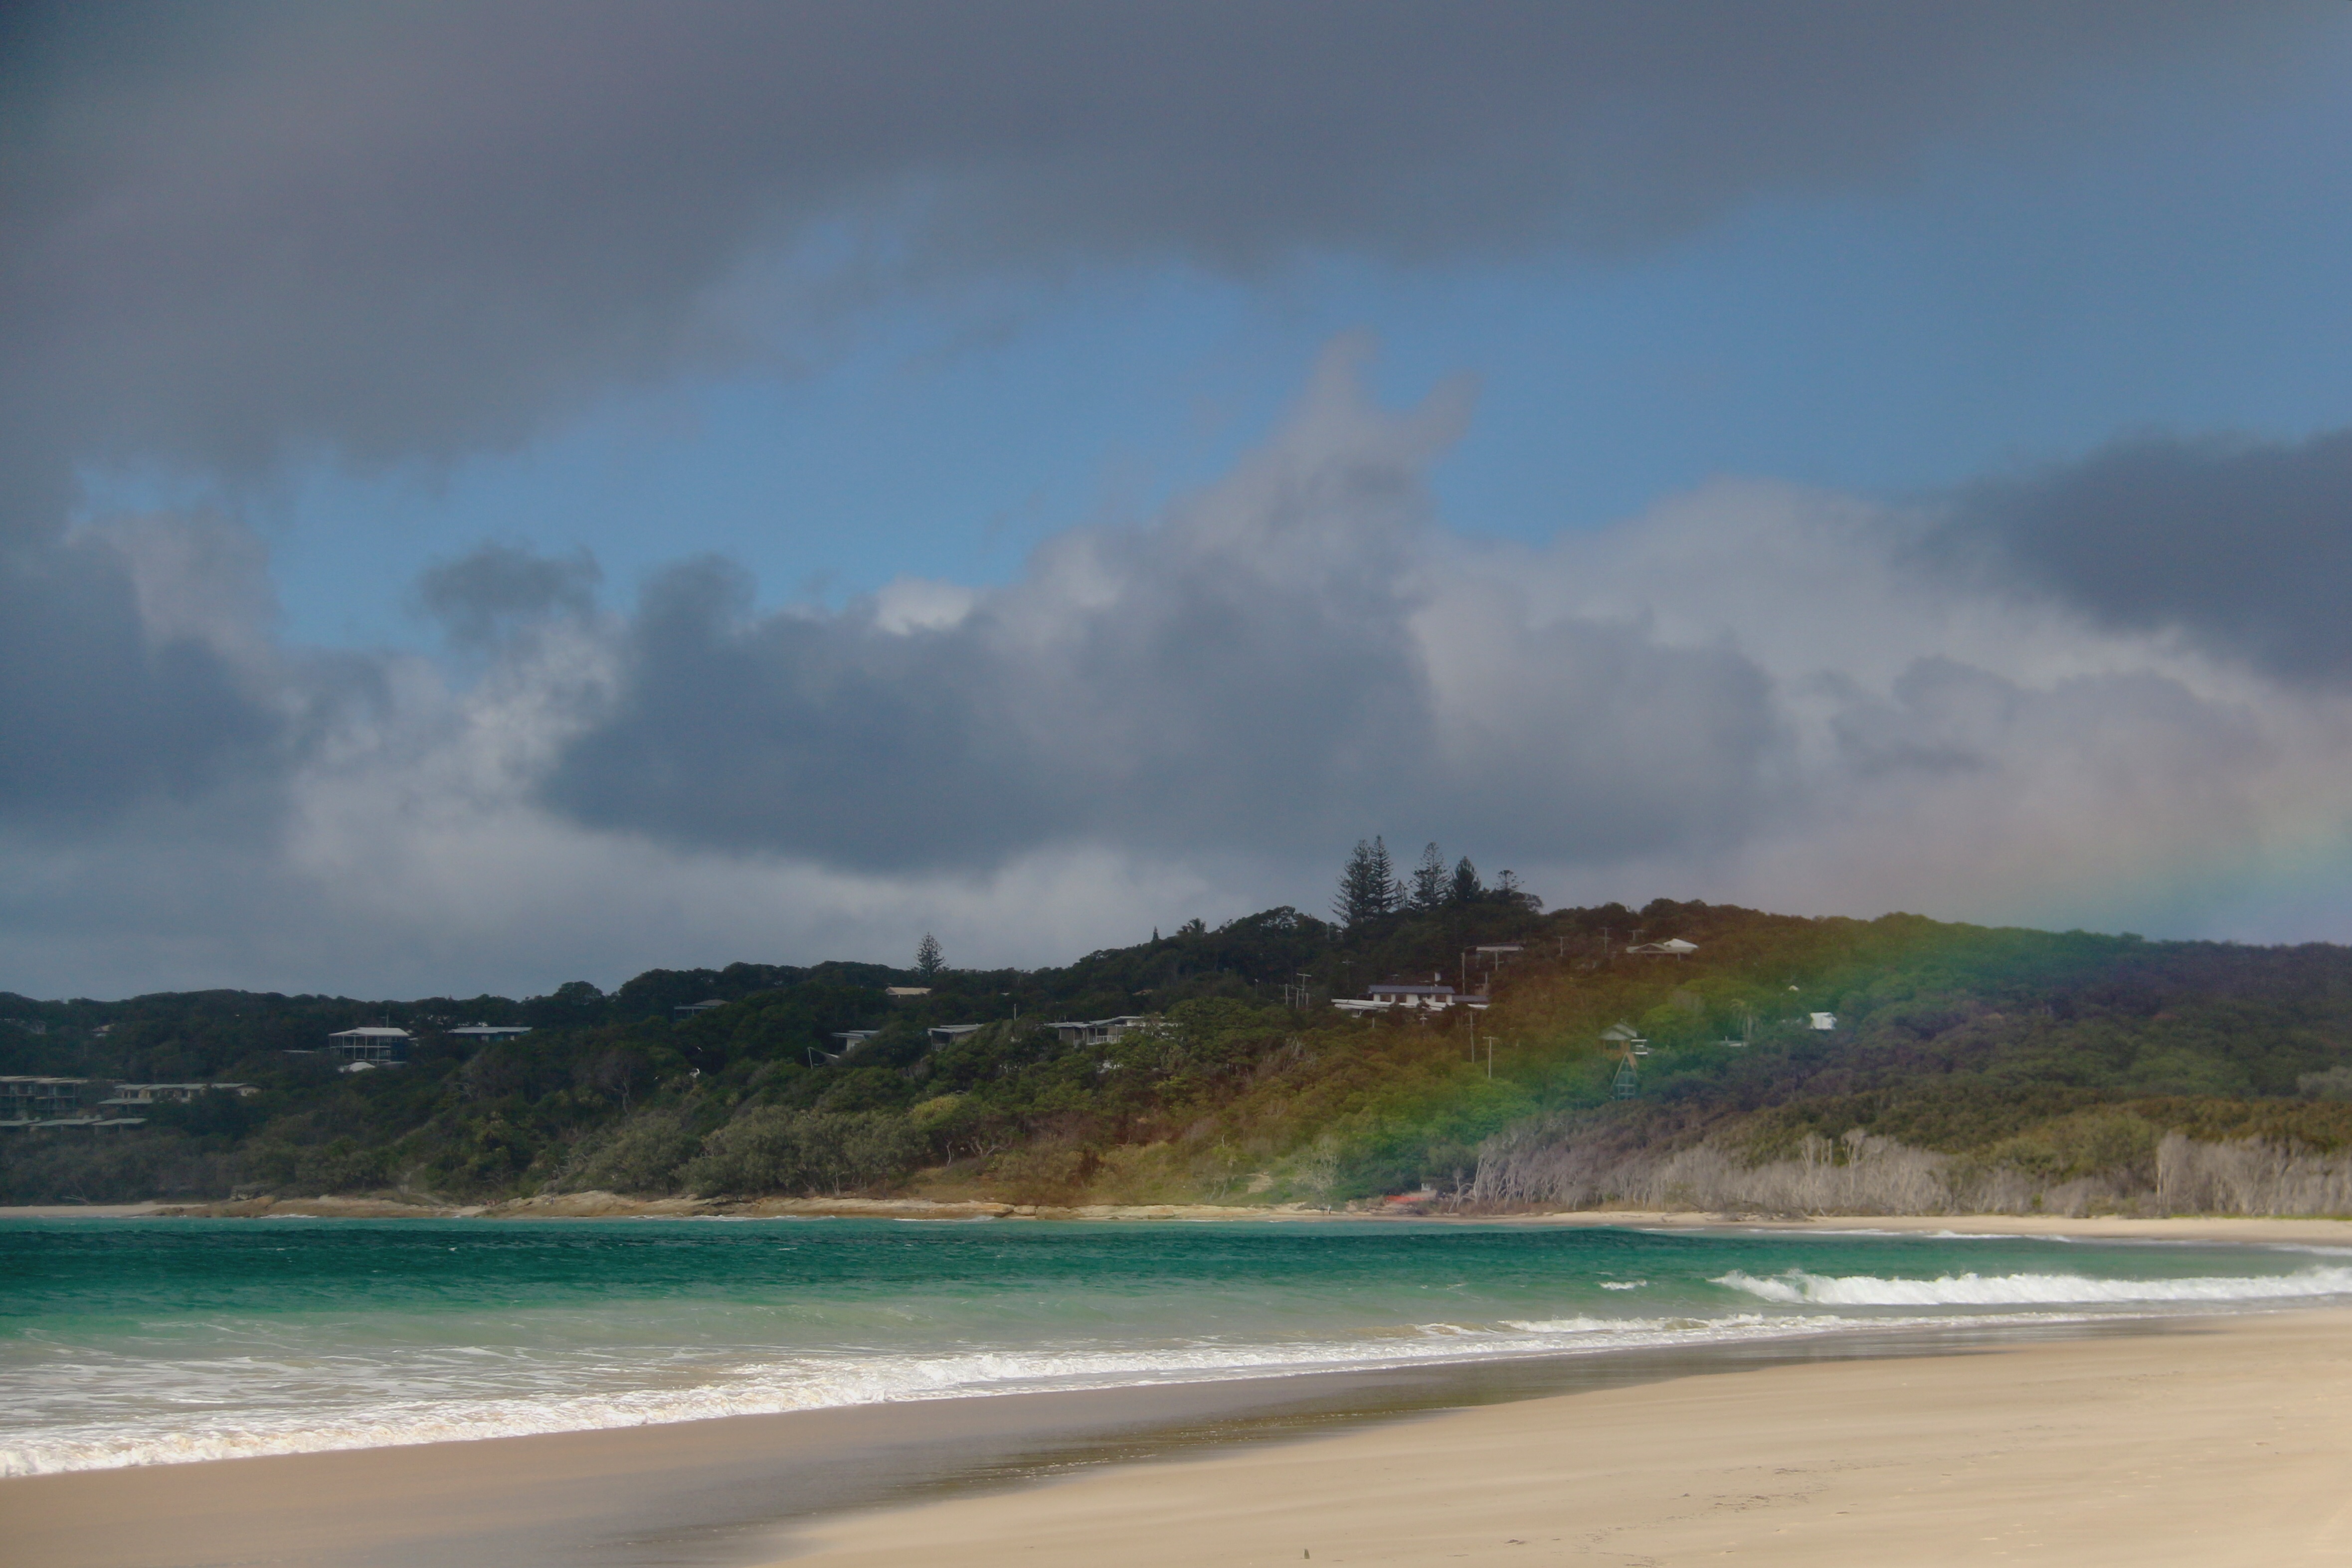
503,495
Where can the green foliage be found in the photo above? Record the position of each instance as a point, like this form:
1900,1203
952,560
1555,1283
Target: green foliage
642,1155
773,1150
2045,1054
1430,884
1368,885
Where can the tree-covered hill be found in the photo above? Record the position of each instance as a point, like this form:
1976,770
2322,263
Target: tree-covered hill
1964,1067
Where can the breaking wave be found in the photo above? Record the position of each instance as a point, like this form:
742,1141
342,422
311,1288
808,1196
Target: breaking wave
1798,1288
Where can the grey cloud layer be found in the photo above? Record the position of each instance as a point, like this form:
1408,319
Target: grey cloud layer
237,232
2245,547
1756,693
482,597
241,232
241,229
1267,670
1299,656
99,706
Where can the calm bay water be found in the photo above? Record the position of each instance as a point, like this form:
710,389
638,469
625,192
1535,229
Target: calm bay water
137,1342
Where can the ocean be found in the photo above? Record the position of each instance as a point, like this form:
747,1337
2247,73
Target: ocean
126,1341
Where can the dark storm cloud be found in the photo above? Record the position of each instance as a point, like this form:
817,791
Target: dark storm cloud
2245,548
96,708
1271,668
241,229
483,596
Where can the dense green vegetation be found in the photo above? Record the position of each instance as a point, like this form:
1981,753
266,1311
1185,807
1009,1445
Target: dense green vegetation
2051,1056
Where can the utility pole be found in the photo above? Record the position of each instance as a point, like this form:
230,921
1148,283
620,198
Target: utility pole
1490,1059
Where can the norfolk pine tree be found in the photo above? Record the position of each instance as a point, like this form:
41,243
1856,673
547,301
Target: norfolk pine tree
1429,880
1368,887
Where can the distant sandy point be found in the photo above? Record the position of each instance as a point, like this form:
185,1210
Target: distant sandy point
2282,1231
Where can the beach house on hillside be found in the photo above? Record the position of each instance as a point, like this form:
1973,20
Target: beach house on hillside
39,1099
484,1033
33,1105
1434,997
378,1045
1672,947
1100,1032
173,1094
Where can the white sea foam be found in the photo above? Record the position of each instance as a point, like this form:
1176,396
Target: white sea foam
1623,1284
1797,1287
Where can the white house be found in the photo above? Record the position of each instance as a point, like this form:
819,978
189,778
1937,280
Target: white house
1100,1032
483,1033
1434,997
379,1046
173,1093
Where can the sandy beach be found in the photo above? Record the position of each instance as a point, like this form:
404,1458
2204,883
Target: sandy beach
2225,1443
2213,1441
593,1206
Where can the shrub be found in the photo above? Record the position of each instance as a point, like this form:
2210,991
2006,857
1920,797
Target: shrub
642,1155
771,1149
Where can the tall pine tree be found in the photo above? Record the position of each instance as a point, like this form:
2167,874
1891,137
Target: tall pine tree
1429,882
1368,887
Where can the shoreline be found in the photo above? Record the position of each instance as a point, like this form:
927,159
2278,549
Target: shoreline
2251,1229
729,1491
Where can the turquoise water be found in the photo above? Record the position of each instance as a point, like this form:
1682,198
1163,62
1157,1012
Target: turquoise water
132,1341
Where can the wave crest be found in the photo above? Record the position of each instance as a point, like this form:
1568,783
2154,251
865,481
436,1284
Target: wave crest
1798,1288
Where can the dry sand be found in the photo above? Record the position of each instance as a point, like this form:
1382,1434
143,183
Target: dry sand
2298,1231
2230,1444
612,1205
